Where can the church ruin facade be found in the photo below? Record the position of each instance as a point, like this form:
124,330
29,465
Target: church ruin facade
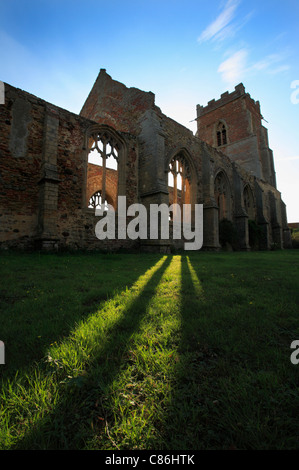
57,167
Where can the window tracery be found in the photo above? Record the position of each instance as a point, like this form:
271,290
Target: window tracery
104,152
179,181
221,134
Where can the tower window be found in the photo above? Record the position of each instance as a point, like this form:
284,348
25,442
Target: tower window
221,134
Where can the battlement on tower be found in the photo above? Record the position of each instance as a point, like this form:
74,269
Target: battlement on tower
226,98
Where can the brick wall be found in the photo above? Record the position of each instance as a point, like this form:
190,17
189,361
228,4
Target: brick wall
43,175
46,181
247,139
112,103
94,182
21,140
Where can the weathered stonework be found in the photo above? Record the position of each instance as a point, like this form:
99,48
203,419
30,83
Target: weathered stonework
47,180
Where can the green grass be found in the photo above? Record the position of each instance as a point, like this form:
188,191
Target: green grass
179,352
295,238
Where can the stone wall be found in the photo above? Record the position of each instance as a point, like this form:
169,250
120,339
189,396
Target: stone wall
43,176
247,139
46,180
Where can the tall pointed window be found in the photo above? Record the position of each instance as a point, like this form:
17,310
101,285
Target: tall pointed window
221,134
248,202
102,170
179,181
222,196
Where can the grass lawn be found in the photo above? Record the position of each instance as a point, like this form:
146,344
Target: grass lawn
179,352
295,238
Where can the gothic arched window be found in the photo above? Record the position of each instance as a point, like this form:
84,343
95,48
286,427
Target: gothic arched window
221,134
223,196
102,170
95,201
248,202
179,181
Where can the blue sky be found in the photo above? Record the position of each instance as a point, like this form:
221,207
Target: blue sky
186,52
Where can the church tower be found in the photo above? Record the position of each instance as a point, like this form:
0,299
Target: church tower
233,124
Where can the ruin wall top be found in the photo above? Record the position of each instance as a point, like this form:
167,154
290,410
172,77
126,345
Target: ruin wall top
225,98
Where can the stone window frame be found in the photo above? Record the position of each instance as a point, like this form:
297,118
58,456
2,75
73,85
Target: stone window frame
221,133
192,173
96,196
225,190
247,188
122,160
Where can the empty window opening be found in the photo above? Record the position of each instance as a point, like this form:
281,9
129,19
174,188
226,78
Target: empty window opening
102,170
95,201
179,182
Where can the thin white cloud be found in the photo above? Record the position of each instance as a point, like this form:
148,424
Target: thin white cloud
236,66
233,68
270,63
280,69
220,28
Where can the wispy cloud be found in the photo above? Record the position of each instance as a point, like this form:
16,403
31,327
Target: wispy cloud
221,28
237,66
271,64
233,68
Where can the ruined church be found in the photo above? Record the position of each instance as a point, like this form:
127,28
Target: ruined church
57,167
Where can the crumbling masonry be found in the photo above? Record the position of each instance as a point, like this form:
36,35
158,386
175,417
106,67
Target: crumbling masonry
56,167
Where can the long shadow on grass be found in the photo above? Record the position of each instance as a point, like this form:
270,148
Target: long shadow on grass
73,422
25,339
197,418
185,420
